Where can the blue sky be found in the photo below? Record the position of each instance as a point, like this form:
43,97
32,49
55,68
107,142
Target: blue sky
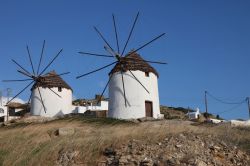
207,45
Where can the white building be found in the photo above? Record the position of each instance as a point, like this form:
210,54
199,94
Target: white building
54,105
216,121
194,115
140,103
237,123
14,107
3,113
83,105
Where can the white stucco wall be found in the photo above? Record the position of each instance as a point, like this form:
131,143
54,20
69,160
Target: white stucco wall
216,121
5,111
55,106
103,105
237,123
80,109
135,93
193,115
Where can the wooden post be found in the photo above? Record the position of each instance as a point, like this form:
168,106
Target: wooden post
7,114
206,104
248,104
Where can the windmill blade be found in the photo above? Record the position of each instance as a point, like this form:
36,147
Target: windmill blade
20,66
54,92
33,70
17,80
103,37
149,61
131,31
41,99
63,74
124,92
96,70
20,92
104,88
116,34
147,43
40,60
24,73
51,62
138,81
100,55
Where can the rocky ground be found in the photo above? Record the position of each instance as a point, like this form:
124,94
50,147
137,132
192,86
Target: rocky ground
83,141
185,149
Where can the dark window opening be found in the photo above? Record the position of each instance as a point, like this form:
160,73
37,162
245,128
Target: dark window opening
59,89
12,112
147,74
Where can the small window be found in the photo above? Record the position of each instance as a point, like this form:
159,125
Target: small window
59,89
147,74
1,110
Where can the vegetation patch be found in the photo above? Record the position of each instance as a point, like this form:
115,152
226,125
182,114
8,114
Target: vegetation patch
94,120
3,154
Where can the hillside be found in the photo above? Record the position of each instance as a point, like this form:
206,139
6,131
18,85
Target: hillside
180,113
174,112
89,141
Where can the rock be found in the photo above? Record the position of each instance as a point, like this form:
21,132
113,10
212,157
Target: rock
112,162
134,120
178,146
123,160
66,131
202,144
182,136
215,148
109,151
233,161
223,143
145,119
67,157
200,163
102,163
191,161
138,153
170,162
146,162
176,150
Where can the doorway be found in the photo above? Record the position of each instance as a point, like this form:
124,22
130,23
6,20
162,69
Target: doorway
149,108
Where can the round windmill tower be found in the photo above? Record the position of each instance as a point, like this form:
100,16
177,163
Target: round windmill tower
52,105
138,89
133,83
50,95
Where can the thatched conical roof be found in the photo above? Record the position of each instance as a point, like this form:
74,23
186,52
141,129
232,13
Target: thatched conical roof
51,80
134,62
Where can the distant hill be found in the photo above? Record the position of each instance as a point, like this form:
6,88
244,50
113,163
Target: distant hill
180,113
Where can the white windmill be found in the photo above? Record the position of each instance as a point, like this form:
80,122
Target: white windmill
141,94
55,105
133,83
50,95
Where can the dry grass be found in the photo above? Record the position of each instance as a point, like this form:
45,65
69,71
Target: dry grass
36,144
